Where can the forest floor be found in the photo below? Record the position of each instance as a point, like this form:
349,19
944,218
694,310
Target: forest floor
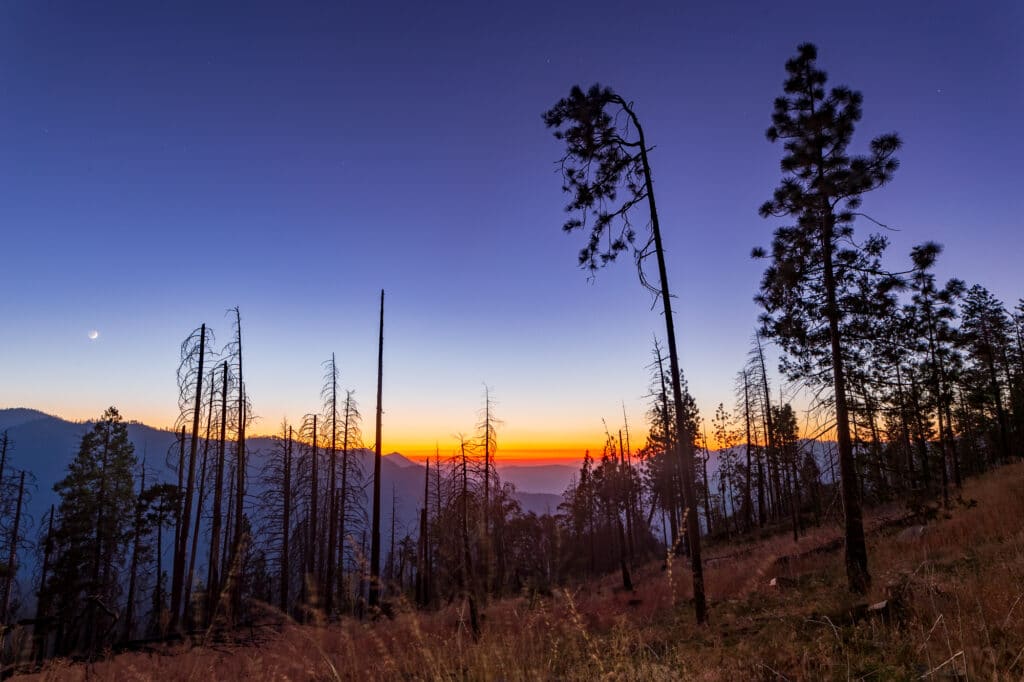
953,593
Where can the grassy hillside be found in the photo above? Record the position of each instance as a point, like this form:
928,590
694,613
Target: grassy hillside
953,593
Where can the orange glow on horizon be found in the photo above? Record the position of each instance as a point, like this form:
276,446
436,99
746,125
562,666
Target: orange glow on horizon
528,454
530,448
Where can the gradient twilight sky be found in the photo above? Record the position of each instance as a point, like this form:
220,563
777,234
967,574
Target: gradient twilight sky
162,162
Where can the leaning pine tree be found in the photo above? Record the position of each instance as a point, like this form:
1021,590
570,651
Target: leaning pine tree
821,190
606,154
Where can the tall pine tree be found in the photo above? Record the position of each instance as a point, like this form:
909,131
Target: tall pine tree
821,190
97,502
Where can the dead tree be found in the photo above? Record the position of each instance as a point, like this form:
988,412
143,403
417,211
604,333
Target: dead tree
213,585
189,355
374,596
329,394
238,546
468,578
129,608
39,628
423,547
201,499
12,557
351,488
489,442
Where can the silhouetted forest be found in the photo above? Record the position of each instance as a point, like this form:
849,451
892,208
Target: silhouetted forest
910,385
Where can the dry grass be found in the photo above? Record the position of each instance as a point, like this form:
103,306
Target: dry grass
963,583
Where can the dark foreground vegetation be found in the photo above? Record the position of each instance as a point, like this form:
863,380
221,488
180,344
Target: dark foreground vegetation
947,603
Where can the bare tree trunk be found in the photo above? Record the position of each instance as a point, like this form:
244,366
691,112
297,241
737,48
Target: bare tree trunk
437,489
762,510
129,608
238,563
361,588
721,491
178,504
940,397
213,583
794,498
904,428
487,492
919,435
343,506
423,553
332,531
625,482
953,448
876,445
391,549
615,503
769,427
748,500
188,607
181,540
39,631
997,394
229,531
286,522
374,597
707,486
3,461
314,508
12,557
469,583
685,439
158,595
633,500
675,468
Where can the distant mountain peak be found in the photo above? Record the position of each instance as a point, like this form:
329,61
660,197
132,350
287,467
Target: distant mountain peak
400,460
16,416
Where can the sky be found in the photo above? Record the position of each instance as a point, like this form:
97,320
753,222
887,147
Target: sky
161,163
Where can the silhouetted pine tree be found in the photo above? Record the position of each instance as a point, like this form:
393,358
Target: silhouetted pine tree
95,523
986,334
821,189
931,314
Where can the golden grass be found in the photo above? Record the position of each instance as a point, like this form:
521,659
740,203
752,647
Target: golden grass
963,583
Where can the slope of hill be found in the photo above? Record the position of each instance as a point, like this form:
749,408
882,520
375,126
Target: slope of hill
945,604
16,416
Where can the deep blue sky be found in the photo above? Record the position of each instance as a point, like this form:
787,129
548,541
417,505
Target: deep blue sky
160,162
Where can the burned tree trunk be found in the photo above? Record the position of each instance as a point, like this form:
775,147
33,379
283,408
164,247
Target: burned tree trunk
374,597
181,541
